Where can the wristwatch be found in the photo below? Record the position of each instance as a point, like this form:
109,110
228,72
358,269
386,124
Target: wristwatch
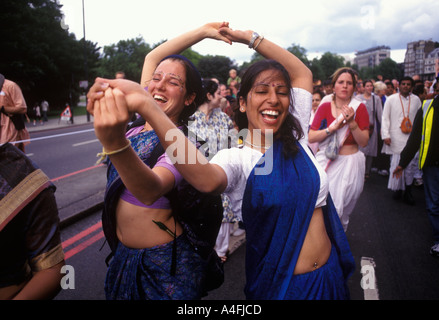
255,35
327,131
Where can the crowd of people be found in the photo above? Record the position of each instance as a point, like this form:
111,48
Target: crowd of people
288,156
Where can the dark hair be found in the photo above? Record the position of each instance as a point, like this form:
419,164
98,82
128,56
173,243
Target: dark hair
193,85
290,131
209,86
319,92
366,81
407,78
419,89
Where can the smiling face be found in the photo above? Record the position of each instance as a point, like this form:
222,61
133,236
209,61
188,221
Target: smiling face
267,102
168,88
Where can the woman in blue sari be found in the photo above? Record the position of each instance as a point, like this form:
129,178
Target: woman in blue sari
150,263
296,247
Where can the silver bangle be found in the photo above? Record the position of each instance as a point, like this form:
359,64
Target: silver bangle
255,35
328,132
262,38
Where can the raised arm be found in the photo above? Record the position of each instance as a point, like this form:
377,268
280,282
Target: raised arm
179,44
112,104
301,76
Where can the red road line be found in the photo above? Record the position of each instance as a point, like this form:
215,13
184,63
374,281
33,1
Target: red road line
83,245
76,172
81,235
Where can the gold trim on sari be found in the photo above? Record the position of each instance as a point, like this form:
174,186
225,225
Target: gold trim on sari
21,195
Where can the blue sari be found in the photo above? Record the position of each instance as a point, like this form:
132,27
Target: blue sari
144,274
277,209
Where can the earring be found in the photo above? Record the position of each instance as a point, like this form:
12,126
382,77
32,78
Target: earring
242,109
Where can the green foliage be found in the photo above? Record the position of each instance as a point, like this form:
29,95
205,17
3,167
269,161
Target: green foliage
330,62
215,67
387,68
127,56
37,53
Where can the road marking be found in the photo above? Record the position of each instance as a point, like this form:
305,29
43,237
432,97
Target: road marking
76,172
53,136
85,142
85,244
369,281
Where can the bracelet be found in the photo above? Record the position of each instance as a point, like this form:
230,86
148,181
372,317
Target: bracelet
104,153
255,35
328,132
262,38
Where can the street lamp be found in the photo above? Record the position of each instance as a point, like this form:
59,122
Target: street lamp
85,52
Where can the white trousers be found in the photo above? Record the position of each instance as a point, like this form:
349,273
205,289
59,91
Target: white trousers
346,182
408,174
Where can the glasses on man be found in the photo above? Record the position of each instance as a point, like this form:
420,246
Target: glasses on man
170,79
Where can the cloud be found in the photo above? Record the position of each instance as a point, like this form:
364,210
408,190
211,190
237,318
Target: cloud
337,26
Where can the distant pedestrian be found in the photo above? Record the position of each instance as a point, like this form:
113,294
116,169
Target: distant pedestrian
398,107
45,110
346,167
13,107
375,110
36,114
214,127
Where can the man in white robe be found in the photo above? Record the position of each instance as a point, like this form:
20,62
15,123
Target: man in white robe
397,106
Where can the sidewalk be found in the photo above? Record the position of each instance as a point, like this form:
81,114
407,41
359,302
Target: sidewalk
83,193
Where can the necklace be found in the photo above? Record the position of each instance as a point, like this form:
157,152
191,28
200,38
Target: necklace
402,105
255,146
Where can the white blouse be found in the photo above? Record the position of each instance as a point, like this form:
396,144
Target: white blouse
238,162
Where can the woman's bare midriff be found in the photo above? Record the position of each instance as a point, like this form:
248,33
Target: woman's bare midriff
348,149
136,229
316,247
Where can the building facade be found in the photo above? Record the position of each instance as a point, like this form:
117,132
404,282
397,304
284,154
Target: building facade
417,59
429,65
371,57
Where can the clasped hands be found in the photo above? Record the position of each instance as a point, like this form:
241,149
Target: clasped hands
348,118
112,102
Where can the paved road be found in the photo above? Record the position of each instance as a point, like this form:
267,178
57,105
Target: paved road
394,236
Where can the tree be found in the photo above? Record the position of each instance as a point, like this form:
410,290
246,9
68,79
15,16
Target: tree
329,63
389,69
317,70
300,53
127,56
215,67
37,53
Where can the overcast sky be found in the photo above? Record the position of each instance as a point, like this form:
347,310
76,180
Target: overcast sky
319,26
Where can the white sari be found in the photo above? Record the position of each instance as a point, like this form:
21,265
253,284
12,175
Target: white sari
345,173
